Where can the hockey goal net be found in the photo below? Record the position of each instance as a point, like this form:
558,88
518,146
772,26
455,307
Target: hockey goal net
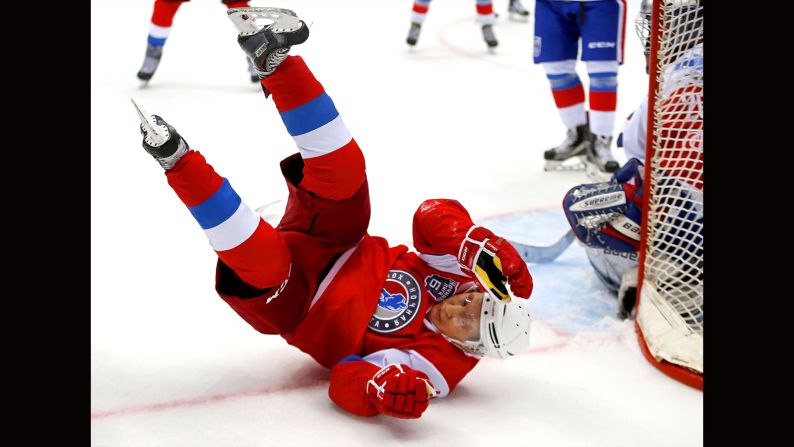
670,288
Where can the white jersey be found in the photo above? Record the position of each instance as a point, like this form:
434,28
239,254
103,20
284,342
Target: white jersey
635,132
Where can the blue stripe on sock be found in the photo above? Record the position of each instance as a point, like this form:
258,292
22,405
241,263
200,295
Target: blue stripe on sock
312,115
603,75
215,210
563,81
566,86
156,41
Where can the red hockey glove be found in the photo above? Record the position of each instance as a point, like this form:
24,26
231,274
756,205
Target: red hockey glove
494,263
401,392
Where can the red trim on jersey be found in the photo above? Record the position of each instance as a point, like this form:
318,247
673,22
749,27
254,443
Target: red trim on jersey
421,9
568,96
263,260
292,84
336,175
164,11
603,101
485,9
193,179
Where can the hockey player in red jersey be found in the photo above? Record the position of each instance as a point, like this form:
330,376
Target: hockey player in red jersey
397,328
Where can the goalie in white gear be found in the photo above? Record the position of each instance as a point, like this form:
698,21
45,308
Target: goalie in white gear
610,231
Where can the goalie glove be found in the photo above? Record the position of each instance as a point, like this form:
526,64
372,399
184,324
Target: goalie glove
608,214
401,392
494,263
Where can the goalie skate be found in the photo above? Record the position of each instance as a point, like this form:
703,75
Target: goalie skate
267,34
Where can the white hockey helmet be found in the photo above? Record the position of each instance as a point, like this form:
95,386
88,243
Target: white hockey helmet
504,328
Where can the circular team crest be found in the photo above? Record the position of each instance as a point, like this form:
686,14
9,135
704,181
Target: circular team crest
399,302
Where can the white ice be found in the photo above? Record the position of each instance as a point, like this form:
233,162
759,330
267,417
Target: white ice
173,365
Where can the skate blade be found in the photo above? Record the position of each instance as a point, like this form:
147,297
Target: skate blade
596,174
155,135
248,21
516,17
571,164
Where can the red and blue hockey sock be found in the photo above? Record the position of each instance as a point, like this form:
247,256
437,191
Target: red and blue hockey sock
603,96
240,237
333,162
567,90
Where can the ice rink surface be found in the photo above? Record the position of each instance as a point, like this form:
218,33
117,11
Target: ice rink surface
173,365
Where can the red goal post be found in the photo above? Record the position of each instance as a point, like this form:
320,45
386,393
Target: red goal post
670,284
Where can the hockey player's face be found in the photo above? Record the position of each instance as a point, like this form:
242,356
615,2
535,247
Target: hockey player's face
458,316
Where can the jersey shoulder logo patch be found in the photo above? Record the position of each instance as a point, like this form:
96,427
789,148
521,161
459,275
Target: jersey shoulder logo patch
440,287
399,302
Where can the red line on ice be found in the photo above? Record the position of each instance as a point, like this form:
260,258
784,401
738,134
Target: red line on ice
203,400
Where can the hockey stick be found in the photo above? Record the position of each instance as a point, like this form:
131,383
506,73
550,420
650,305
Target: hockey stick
542,255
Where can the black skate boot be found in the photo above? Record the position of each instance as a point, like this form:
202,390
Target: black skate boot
488,35
413,33
577,140
600,162
517,11
150,61
267,46
160,139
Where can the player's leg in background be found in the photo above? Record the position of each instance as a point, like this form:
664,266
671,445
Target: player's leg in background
556,44
418,15
486,18
159,29
603,31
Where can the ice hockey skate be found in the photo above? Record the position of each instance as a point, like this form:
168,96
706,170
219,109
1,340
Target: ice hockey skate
267,45
488,35
571,153
160,139
516,11
413,33
150,62
600,164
